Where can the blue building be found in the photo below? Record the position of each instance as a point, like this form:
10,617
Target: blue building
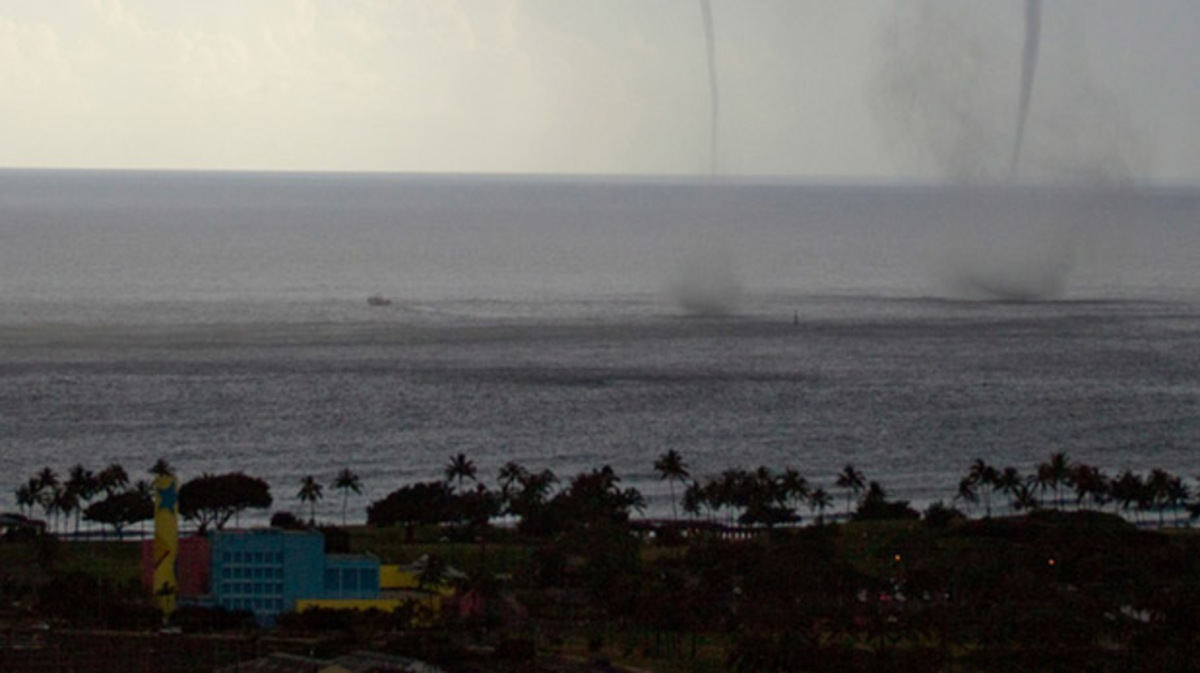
267,571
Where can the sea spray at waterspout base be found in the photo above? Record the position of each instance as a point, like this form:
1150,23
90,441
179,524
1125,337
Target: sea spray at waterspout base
705,283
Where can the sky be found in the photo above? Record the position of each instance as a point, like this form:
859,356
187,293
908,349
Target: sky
811,89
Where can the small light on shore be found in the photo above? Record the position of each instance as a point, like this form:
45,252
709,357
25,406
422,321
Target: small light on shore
897,558
1051,561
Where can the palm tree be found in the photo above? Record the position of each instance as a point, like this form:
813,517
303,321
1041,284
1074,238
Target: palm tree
981,474
310,492
535,491
67,502
460,467
83,485
967,491
1090,483
794,487
112,479
1055,474
852,480
818,500
1023,499
346,481
1009,482
144,489
731,492
693,498
47,492
161,467
511,475
55,502
433,574
26,497
671,468
1177,496
1128,489
1159,486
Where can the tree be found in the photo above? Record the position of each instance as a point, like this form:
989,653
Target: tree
420,503
967,491
592,498
875,506
535,491
1177,496
310,492
794,487
671,468
346,481
692,499
47,479
1129,489
66,502
818,501
1055,474
45,489
980,475
121,509
84,485
434,571
763,497
112,479
511,475
1159,486
161,467
214,499
1010,483
1090,483
460,467
27,497
853,481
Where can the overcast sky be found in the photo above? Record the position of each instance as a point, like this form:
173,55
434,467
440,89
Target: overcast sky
810,88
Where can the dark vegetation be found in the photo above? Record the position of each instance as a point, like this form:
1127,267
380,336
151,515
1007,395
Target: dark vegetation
1051,573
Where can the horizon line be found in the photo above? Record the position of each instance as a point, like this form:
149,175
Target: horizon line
915,181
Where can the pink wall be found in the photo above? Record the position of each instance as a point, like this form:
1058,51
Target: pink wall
193,566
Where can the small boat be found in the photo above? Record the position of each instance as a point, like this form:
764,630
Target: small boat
378,300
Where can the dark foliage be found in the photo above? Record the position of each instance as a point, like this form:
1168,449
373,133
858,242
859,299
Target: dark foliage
876,507
85,601
592,498
121,509
337,540
423,503
286,521
938,515
201,619
211,500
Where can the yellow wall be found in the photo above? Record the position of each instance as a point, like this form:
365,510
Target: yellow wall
392,577
382,604
395,577
432,604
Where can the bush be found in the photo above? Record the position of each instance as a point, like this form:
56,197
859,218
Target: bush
938,515
286,521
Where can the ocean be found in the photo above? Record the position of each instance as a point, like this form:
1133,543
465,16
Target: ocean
220,321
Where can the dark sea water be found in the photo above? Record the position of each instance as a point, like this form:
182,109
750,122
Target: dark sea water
220,321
